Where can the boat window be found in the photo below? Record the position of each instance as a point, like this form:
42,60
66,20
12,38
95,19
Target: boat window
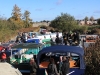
17,56
74,59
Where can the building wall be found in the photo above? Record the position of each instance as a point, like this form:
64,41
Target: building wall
88,22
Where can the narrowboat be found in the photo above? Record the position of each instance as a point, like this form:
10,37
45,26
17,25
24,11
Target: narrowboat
76,53
21,54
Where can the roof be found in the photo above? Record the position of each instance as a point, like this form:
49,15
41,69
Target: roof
27,45
5,45
63,48
7,69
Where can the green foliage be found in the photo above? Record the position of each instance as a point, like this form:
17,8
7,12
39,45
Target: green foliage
64,22
81,29
86,19
98,21
5,30
9,27
27,20
93,27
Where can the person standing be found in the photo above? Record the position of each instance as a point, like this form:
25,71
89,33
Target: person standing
8,59
23,39
70,39
59,63
64,39
18,38
57,40
3,57
33,67
52,69
65,66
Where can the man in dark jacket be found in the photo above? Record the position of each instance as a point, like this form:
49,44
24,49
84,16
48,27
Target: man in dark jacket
57,40
65,38
65,66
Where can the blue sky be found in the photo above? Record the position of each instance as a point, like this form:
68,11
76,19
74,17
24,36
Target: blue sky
49,9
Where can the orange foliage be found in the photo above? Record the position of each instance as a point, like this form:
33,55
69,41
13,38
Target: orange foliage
29,29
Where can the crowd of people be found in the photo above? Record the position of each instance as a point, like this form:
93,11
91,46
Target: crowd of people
21,38
62,67
67,38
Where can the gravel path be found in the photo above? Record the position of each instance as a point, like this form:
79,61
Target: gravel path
7,69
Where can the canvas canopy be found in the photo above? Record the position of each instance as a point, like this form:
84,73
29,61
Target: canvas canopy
64,49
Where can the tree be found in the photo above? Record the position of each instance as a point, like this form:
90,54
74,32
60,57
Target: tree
86,19
15,19
98,21
26,18
16,13
64,22
5,30
91,18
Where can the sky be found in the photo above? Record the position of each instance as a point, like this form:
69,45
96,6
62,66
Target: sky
49,9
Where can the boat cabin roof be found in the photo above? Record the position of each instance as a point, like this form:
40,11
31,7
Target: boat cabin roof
27,45
62,49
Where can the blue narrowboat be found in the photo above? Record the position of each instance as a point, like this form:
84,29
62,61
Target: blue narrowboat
75,52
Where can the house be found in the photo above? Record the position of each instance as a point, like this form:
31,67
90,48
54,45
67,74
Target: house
82,22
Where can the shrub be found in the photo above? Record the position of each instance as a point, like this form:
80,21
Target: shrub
92,59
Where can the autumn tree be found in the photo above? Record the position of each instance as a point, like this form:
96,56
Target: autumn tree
16,13
27,20
15,19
